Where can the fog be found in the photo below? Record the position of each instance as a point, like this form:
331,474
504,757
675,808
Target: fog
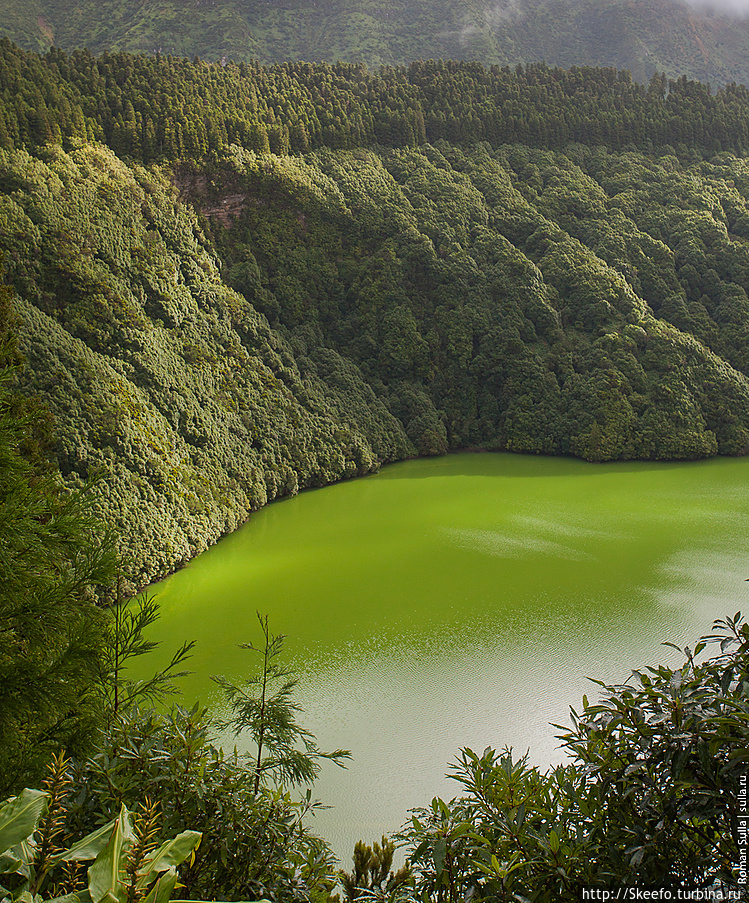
505,12
502,12
498,13
738,8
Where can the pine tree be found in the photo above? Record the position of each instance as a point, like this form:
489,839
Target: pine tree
263,707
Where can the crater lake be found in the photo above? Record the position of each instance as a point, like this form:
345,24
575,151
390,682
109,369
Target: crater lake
460,601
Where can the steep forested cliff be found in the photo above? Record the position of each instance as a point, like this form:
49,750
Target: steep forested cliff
226,325
155,372
584,303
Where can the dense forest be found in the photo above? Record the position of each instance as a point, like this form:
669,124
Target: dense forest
225,284
215,322
162,108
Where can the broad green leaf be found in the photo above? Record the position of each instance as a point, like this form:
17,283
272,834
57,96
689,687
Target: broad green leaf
104,882
23,854
88,847
81,897
487,870
163,889
10,864
169,855
26,852
439,851
20,815
461,829
553,841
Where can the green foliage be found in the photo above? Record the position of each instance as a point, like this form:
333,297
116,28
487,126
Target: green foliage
127,865
263,707
53,551
256,841
255,844
372,877
481,321
650,793
642,38
163,108
157,374
125,640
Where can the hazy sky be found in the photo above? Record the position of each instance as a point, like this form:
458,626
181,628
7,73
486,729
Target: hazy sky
509,9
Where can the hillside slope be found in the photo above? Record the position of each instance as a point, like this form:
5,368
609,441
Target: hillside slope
291,320
577,303
642,36
157,374
417,301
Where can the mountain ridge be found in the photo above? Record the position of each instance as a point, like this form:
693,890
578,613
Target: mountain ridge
642,36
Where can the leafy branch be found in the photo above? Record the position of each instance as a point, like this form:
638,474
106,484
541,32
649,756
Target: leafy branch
263,706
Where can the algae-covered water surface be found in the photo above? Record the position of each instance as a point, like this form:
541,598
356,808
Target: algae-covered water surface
462,601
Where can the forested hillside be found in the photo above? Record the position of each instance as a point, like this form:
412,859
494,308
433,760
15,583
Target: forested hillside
156,373
222,284
164,108
509,298
215,322
699,40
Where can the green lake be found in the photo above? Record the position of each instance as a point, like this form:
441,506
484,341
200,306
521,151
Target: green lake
462,601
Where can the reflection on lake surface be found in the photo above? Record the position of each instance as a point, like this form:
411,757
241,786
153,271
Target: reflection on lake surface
462,601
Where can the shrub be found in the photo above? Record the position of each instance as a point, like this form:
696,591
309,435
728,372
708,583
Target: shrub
650,795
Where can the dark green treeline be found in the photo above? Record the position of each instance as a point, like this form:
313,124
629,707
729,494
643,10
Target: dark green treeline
162,108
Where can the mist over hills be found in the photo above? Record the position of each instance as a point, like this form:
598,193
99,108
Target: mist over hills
705,41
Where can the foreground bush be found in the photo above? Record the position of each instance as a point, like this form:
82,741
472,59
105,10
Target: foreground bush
255,844
128,865
651,794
